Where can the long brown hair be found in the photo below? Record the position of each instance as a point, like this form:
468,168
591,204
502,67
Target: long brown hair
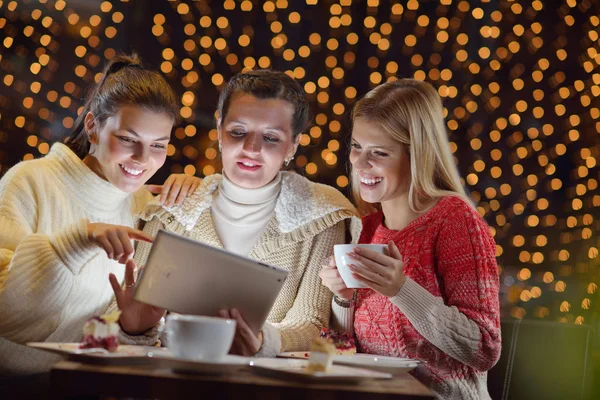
125,81
410,112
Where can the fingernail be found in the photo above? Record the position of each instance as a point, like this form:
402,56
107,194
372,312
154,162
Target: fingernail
352,255
356,250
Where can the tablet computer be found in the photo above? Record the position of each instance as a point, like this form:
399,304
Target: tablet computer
189,277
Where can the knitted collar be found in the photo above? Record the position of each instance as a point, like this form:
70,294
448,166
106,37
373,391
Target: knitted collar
299,203
96,194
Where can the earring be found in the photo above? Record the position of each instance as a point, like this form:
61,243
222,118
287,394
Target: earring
220,147
288,160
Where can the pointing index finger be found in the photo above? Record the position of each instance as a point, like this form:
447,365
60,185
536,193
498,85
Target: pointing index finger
140,236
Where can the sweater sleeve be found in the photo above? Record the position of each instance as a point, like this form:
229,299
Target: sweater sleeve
312,306
342,318
467,325
36,270
148,338
142,251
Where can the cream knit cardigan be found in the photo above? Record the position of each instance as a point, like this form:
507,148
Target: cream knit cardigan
309,219
52,277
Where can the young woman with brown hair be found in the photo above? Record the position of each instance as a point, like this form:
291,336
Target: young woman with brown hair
256,210
67,220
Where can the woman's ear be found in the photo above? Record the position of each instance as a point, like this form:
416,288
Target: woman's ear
90,128
91,131
295,145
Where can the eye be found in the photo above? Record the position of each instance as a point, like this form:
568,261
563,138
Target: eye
235,133
271,139
380,153
159,146
126,139
355,145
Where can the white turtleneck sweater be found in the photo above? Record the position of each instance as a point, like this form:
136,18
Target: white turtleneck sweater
52,277
240,214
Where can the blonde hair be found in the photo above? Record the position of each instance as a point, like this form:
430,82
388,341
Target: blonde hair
410,112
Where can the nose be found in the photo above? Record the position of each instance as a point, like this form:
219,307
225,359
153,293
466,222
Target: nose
252,143
141,154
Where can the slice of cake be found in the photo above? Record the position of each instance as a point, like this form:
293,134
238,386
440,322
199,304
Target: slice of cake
321,355
102,331
343,341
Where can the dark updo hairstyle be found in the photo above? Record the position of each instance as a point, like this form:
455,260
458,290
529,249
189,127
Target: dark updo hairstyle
125,82
268,84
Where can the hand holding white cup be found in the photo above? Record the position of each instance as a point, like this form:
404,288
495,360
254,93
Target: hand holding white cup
381,271
343,261
331,278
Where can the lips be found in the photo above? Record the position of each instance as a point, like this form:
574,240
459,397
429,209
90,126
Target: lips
131,172
370,181
249,165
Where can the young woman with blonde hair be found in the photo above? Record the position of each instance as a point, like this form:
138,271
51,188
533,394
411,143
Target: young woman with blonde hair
434,295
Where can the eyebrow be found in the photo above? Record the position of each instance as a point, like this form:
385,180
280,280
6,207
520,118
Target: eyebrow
272,128
134,133
374,147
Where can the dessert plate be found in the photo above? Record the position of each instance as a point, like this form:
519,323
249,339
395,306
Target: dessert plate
393,365
297,370
125,354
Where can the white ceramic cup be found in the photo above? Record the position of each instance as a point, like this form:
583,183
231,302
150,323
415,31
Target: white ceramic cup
343,260
200,338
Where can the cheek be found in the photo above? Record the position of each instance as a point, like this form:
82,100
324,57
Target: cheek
229,148
159,159
352,157
275,155
115,149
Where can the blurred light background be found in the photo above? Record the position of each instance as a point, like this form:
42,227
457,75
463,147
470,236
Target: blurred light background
519,81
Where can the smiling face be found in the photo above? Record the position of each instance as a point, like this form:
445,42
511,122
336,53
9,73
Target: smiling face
381,164
256,137
130,147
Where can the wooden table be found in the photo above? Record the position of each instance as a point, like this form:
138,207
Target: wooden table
70,378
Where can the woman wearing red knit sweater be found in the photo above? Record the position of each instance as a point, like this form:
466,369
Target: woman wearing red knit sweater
434,296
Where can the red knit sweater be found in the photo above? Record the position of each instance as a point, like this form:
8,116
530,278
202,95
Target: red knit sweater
447,313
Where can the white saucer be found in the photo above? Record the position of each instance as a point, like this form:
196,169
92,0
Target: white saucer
125,354
392,365
228,363
296,369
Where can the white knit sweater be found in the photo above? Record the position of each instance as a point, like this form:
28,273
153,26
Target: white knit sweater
52,277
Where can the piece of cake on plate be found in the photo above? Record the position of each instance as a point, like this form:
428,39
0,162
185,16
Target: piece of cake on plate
102,331
321,355
343,341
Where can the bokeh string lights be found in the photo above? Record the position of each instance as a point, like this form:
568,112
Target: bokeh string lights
519,80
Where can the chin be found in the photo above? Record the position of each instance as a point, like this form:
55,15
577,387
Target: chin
371,199
128,187
246,181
